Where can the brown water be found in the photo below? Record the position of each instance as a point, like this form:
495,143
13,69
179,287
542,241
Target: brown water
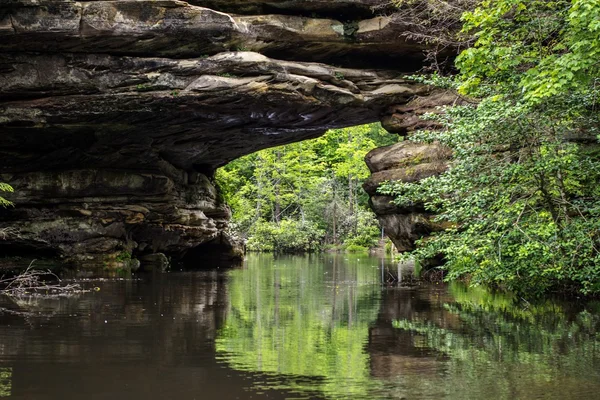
296,327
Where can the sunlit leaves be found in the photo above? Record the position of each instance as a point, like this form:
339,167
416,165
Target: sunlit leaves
542,47
521,196
306,193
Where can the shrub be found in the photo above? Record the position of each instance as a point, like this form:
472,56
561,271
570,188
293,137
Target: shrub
354,248
289,236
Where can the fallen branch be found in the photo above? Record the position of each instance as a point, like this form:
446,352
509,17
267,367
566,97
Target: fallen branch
35,282
16,312
8,233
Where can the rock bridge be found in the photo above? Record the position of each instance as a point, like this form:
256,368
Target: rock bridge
114,115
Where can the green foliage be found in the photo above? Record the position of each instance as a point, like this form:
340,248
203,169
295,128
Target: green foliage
543,49
143,87
123,256
6,377
5,188
306,193
484,336
288,236
356,248
283,307
389,246
367,231
521,199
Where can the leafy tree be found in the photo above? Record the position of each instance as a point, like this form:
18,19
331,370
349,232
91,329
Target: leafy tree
288,236
298,197
521,197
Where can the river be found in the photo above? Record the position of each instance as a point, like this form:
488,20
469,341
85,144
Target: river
301,327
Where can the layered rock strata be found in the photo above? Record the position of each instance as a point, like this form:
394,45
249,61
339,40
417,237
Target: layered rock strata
406,162
350,33
410,162
114,115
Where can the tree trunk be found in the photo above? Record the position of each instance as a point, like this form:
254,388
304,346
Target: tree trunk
334,220
277,203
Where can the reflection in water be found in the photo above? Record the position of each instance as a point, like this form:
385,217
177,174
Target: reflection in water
145,339
494,348
328,318
303,316
296,327
5,382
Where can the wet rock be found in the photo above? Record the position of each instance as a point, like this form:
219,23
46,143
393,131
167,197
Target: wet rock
154,262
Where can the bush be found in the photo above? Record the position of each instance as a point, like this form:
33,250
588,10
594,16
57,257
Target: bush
289,236
354,248
5,188
367,231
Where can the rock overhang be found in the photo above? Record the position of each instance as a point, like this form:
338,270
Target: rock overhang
205,112
178,29
131,106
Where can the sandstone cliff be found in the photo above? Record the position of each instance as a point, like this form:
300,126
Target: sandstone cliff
115,114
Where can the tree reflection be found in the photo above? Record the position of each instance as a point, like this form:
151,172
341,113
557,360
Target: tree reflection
5,382
297,317
323,327
508,349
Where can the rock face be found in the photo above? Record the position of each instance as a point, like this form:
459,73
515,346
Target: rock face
407,162
115,114
360,32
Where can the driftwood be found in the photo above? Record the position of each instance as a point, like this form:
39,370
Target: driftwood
7,233
35,282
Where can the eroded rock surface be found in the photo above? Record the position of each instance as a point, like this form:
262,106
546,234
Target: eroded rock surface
406,162
115,114
349,33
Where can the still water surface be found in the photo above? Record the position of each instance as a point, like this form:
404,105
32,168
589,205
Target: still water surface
296,328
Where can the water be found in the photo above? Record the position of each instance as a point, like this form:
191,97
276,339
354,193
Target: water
300,328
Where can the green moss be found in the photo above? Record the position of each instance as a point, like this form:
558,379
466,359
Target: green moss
143,88
123,256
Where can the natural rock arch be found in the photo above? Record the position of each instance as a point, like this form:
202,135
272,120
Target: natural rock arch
114,115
